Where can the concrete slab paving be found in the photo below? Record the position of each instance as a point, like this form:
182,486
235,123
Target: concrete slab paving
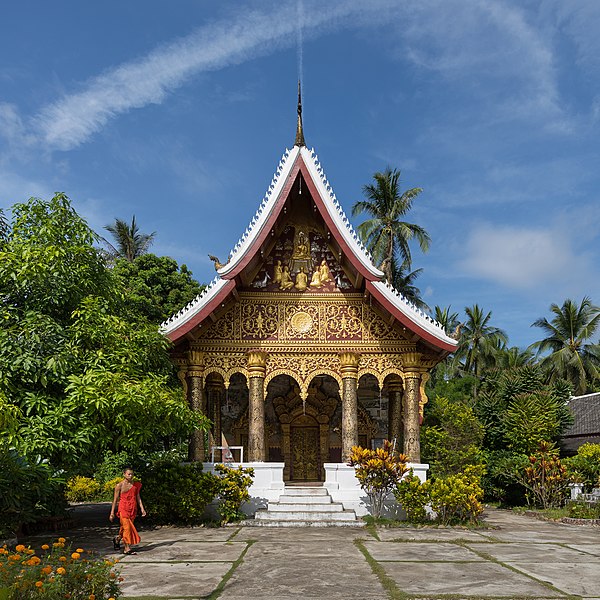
170,580
581,578
419,551
469,579
428,534
529,552
196,551
289,578
216,534
593,549
342,549
301,533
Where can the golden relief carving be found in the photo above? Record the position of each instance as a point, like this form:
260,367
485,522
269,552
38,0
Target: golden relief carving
331,319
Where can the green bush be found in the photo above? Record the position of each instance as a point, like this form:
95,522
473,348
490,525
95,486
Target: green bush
581,510
232,488
82,489
586,463
414,497
177,493
29,490
455,499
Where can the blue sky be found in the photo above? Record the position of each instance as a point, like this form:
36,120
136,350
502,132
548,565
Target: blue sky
179,112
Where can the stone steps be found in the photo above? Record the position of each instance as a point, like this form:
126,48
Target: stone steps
305,506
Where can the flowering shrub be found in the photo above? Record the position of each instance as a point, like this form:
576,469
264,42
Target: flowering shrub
545,478
56,572
82,489
378,472
233,491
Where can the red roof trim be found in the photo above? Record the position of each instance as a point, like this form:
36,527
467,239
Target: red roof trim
186,327
408,322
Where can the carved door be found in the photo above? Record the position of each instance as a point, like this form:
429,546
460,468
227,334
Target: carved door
304,443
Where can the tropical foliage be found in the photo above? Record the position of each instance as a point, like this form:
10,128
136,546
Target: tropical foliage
385,234
378,472
567,351
130,243
156,287
78,373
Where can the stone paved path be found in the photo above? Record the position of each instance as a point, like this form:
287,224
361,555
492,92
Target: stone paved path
516,557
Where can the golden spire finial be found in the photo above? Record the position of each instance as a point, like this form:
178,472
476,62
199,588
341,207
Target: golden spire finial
299,131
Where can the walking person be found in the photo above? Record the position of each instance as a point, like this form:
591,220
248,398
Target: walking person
127,498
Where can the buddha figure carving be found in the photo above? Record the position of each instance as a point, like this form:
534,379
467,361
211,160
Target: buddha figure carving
301,280
301,255
286,281
277,272
324,272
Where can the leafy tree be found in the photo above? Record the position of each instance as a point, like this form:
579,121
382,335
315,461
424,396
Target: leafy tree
130,242
80,376
571,354
519,410
386,236
451,437
156,287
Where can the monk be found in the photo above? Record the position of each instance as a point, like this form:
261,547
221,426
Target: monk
127,495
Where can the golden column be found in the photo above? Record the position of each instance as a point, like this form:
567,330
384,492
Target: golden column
197,402
412,383
395,411
214,393
257,363
349,368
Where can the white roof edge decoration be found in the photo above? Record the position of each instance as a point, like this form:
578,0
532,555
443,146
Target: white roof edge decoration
415,314
192,308
264,210
337,213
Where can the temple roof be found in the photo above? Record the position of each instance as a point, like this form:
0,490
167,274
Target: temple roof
300,161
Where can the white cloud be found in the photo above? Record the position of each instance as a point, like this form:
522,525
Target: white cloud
524,258
71,120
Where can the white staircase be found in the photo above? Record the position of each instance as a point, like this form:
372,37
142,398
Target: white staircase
306,506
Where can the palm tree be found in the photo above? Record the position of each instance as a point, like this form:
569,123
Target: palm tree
448,320
570,356
130,243
385,234
479,341
403,280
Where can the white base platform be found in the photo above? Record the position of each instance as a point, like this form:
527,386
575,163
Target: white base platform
340,482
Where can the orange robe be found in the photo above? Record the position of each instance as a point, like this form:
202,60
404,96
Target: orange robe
127,511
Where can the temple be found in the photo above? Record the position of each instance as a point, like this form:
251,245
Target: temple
298,349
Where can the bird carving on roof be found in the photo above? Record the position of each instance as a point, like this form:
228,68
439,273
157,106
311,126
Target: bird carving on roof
218,263
455,335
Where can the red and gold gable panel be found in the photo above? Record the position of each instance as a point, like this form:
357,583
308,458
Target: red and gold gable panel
301,261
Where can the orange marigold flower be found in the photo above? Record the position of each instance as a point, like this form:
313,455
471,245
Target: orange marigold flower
45,547
92,596
39,584
61,570
47,570
80,550
15,557
35,560
62,540
75,555
20,548
63,559
30,551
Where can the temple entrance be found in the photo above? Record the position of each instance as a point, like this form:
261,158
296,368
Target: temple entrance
304,445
